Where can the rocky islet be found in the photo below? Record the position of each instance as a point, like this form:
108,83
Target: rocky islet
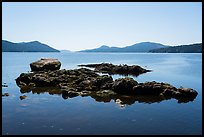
86,82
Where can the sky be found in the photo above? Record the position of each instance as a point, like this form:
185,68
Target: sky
85,25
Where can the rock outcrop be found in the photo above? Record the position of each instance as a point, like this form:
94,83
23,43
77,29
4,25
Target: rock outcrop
124,85
117,69
163,89
45,64
86,82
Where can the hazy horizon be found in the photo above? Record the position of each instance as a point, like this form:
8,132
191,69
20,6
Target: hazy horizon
87,25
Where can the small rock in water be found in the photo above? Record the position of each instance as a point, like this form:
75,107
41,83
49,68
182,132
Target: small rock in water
4,85
5,94
23,97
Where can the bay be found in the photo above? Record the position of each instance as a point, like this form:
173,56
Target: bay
51,114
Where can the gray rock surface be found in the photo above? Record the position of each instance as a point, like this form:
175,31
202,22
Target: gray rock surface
45,64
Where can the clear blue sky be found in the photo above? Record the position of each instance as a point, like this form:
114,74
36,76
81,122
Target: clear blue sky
77,25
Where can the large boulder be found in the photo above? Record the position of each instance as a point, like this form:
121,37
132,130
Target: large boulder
45,64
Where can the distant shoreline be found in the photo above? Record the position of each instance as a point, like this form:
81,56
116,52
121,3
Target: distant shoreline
32,51
104,52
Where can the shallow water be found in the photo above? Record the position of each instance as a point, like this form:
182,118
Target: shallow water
46,113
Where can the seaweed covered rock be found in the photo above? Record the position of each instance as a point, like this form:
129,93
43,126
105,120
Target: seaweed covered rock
45,64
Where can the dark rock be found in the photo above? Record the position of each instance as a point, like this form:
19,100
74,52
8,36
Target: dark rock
153,88
45,64
102,82
124,85
4,85
85,93
69,93
24,79
42,80
167,92
187,92
5,94
25,89
117,69
139,90
50,90
23,97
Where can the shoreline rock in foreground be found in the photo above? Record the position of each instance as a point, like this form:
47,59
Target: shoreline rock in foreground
86,82
117,69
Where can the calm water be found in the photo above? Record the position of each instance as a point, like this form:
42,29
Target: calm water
51,114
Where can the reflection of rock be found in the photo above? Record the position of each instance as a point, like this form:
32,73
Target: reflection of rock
45,64
86,82
117,69
5,94
70,94
107,95
40,90
120,103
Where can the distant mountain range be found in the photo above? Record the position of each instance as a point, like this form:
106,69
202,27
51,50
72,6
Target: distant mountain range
33,46
139,47
152,47
192,48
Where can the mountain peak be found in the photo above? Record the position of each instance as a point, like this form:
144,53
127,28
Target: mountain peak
35,42
33,46
104,46
148,42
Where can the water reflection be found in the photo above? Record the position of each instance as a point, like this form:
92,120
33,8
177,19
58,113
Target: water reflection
103,96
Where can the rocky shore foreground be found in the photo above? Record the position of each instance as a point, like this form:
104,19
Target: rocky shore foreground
85,82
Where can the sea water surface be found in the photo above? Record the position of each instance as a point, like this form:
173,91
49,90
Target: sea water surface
44,113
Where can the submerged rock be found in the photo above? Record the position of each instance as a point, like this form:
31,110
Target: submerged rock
45,64
117,69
